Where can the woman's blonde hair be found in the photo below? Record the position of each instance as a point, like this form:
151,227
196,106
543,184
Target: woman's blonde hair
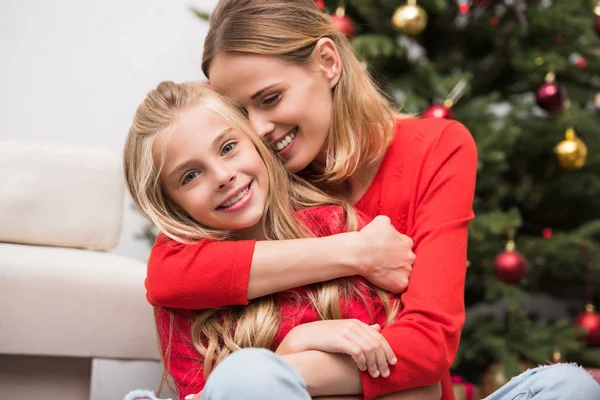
218,332
361,124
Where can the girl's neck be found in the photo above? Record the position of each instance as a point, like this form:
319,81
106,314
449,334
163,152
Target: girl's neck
251,233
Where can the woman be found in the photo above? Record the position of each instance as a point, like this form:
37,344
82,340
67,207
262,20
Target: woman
304,90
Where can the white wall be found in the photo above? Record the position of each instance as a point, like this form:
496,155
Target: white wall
75,71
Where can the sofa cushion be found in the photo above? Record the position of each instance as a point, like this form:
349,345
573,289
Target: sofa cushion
69,302
63,195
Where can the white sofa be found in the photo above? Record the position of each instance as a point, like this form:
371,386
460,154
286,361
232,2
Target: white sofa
74,320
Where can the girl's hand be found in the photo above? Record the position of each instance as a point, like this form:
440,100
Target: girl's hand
386,255
367,347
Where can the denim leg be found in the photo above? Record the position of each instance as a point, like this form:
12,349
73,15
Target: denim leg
254,374
553,382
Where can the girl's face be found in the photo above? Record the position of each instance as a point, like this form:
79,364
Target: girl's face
213,171
290,105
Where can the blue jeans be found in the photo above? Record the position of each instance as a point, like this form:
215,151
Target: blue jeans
551,382
259,374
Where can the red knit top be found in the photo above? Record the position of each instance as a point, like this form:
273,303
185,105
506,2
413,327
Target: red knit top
185,364
425,184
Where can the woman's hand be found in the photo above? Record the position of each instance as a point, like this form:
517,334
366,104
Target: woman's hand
385,255
367,347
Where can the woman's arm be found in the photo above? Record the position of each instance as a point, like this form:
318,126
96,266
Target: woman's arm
426,335
216,274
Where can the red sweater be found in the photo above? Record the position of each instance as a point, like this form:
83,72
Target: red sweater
184,363
425,184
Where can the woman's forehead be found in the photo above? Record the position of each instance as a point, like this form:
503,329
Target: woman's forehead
242,76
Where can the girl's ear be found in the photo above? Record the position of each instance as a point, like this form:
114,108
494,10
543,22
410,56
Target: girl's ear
327,58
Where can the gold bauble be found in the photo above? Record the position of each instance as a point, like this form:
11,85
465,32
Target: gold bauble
597,100
571,152
410,18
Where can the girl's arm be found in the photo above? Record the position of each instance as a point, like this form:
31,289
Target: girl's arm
433,305
362,342
216,274
328,376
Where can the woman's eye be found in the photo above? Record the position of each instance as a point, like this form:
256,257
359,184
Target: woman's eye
228,147
271,100
190,176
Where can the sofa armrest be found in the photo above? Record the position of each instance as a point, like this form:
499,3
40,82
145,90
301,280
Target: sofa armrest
56,194
69,302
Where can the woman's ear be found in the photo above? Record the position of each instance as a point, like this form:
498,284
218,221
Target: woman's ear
327,59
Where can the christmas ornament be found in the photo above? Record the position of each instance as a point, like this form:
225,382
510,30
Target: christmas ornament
444,110
320,4
464,6
510,266
549,96
597,100
410,18
556,357
597,19
590,321
571,152
342,22
578,60
547,233
438,111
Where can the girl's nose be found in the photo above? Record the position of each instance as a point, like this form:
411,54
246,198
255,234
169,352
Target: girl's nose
225,177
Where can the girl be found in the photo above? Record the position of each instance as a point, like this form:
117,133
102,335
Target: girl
196,170
303,89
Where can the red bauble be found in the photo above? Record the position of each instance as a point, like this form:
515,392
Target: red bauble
549,97
438,111
510,267
320,4
344,24
590,320
597,25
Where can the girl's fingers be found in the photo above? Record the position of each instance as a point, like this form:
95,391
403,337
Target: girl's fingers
366,345
378,352
387,349
354,351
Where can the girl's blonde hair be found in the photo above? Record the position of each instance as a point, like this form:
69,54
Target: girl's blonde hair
218,332
361,124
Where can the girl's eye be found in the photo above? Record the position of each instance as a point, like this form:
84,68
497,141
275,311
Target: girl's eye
271,100
228,148
190,176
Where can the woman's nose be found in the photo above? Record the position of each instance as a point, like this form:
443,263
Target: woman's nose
262,124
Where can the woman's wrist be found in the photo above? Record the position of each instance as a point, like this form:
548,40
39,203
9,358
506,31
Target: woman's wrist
351,253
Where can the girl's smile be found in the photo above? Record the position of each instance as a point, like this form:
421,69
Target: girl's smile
237,200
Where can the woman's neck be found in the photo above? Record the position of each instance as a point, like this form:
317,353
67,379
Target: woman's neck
354,187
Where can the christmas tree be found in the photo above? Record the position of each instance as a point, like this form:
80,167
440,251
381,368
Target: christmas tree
524,78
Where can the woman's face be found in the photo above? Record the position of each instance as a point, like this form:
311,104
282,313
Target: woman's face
289,105
212,171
